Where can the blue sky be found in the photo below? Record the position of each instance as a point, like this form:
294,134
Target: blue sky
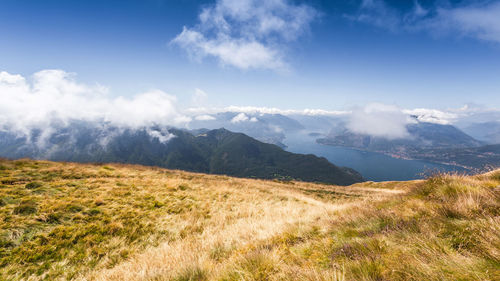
287,54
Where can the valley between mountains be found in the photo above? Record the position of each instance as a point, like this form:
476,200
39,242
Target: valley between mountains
65,221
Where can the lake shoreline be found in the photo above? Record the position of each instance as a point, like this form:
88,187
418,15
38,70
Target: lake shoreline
374,166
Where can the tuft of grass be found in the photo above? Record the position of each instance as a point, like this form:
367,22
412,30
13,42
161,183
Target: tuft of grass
26,207
191,273
108,168
220,251
74,208
258,266
8,180
34,185
99,202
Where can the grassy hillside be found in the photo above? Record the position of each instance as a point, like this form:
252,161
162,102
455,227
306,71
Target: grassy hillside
124,222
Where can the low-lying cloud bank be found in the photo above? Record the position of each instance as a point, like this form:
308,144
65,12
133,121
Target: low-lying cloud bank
266,110
53,96
380,120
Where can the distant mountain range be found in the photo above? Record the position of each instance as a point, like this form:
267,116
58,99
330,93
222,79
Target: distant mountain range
208,151
269,128
432,142
488,132
421,135
437,143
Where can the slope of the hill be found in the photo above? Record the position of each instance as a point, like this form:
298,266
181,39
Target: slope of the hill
123,222
215,151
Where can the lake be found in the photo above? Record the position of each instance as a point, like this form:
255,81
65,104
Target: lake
373,166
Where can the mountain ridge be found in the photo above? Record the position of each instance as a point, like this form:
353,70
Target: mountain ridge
214,151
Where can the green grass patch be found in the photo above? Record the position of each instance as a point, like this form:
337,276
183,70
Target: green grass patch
26,207
33,185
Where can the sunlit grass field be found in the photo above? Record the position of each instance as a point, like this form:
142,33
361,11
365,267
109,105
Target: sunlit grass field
124,222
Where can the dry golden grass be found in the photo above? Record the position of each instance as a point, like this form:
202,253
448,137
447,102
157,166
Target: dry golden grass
124,222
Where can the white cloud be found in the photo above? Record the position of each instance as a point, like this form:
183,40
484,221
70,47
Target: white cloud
379,120
247,34
204,117
53,96
242,117
432,115
162,135
241,53
6,78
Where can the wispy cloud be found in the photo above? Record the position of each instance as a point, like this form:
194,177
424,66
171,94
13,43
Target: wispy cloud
479,20
247,34
377,13
199,97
